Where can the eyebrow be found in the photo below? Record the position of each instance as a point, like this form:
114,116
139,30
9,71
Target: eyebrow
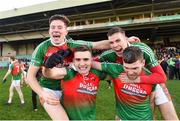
130,68
81,58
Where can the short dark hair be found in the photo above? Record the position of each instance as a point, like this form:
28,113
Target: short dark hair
59,17
132,54
115,30
82,48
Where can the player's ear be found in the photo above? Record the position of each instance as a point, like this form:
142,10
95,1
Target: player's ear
143,62
66,31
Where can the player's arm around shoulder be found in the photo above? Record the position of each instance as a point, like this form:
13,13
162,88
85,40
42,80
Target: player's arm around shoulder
54,73
100,45
97,65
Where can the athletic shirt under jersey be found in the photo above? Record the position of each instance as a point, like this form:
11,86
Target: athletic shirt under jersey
45,49
132,100
149,56
15,71
79,94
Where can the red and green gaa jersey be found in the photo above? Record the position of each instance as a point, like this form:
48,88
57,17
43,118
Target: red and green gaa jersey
45,49
15,71
79,94
110,56
132,100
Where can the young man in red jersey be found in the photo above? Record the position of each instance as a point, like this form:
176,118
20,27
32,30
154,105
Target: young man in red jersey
15,71
49,89
132,100
118,42
79,87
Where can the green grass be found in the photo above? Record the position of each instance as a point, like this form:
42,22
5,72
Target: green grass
174,89
105,102
15,111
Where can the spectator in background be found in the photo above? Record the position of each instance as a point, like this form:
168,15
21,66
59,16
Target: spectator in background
24,73
177,68
164,64
171,65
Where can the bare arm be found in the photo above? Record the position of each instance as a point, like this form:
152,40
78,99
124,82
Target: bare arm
32,80
96,65
8,72
54,73
100,45
48,97
152,104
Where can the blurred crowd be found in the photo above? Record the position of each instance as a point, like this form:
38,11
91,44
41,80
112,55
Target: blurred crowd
169,59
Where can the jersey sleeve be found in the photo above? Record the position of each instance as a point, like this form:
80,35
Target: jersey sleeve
38,54
157,76
70,74
108,56
112,69
76,43
149,55
100,74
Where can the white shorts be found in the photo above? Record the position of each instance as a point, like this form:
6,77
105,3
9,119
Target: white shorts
161,95
15,83
57,93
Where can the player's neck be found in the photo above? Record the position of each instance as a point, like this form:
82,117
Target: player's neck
85,75
60,44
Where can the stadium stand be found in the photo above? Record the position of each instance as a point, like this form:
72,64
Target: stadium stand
155,22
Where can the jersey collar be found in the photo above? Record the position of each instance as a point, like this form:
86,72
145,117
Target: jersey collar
65,40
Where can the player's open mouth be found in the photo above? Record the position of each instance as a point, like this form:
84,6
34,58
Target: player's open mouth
120,50
56,36
83,68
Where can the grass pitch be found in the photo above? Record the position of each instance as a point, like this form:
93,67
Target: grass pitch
105,102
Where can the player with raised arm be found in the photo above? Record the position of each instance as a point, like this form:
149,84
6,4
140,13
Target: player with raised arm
49,89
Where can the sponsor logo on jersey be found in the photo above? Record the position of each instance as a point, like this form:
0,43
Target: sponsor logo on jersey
133,89
88,88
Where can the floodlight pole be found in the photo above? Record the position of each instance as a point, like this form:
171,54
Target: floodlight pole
152,9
